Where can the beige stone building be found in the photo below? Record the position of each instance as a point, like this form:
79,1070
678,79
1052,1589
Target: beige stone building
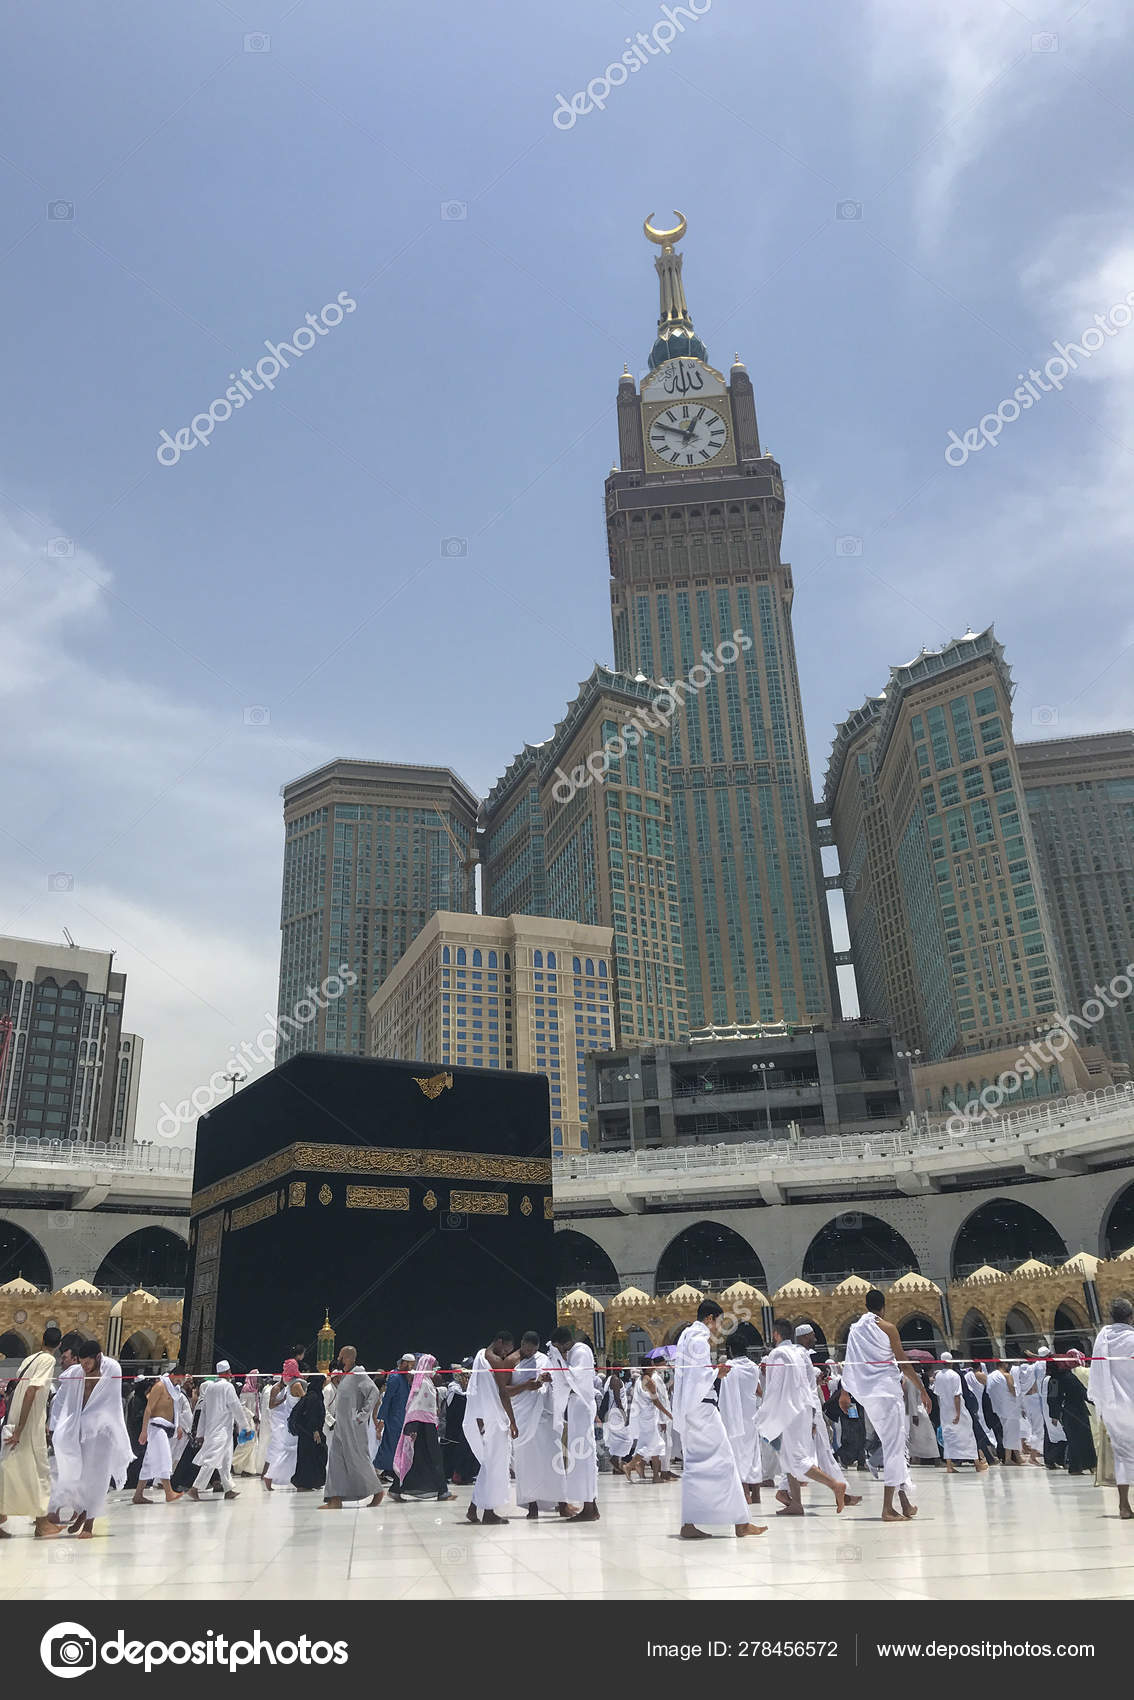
521,992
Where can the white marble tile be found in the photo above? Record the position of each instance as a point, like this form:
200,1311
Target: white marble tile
1010,1535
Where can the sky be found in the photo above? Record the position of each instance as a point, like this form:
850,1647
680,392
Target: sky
396,550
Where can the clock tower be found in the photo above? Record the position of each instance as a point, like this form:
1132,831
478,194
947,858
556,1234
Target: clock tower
701,601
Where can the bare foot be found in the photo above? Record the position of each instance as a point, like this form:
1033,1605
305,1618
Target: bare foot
743,1529
981,1466
909,1509
783,1496
840,1495
232,1494
789,1510
331,1505
589,1514
853,1499
45,1529
892,1517
194,1495
377,1500
170,1497
491,1517
949,1467
689,1532
471,1516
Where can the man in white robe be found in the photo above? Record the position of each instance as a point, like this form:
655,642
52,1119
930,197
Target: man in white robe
580,1480
25,1474
489,1426
711,1488
1110,1388
63,1426
740,1408
873,1366
790,1412
1026,1378
957,1433
103,1438
1002,1397
616,1434
649,1420
220,1412
535,1446
159,1429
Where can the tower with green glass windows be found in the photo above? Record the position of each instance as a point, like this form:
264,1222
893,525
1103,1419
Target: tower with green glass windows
701,601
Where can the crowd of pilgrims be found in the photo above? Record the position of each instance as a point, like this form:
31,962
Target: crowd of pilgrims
543,1420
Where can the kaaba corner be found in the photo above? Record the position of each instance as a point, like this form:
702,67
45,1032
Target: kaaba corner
411,1201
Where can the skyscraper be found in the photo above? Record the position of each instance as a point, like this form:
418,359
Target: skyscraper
1080,799
520,991
58,1080
701,599
949,930
597,842
372,849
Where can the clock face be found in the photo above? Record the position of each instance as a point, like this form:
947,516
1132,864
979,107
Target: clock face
688,434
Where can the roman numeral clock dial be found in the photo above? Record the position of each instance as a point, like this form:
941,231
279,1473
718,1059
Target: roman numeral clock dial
687,434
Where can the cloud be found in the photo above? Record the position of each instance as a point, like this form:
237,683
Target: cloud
979,69
164,811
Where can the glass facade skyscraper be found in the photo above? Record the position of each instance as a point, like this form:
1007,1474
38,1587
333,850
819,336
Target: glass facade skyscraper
1080,800
372,850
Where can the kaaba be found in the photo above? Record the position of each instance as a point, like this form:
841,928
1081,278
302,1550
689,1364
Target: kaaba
410,1202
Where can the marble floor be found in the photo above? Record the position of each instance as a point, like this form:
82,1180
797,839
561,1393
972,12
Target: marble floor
1013,1534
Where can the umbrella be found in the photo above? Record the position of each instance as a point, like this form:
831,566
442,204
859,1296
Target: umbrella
916,1355
663,1352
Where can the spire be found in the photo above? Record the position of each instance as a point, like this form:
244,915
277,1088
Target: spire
676,335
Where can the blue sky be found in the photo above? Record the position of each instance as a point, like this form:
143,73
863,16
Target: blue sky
231,169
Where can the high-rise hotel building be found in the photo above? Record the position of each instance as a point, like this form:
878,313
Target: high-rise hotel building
372,850
516,992
1080,799
695,514
580,828
950,935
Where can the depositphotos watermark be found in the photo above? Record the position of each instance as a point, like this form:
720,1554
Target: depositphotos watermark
1029,390
267,369
665,706
1041,1054
69,1650
642,48
254,1052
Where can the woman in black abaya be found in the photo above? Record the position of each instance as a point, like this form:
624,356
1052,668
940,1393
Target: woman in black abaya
306,1423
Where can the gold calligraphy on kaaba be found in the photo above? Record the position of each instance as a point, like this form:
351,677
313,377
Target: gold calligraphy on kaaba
548,1208
297,1194
257,1211
374,1160
377,1197
434,1085
479,1203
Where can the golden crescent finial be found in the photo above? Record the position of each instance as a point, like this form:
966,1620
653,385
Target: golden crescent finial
666,238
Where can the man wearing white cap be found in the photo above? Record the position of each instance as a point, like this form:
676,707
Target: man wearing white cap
220,1414
788,1411
957,1432
806,1337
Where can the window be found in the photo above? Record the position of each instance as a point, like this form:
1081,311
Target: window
551,959
462,956
445,953
477,960
492,959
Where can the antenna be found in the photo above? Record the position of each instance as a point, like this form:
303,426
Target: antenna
69,939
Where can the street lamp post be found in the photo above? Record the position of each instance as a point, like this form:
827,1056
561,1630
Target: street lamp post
628,1078
764,1069
235,1075
910,1059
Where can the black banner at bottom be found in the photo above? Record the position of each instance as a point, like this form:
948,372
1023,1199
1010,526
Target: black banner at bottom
285,1644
